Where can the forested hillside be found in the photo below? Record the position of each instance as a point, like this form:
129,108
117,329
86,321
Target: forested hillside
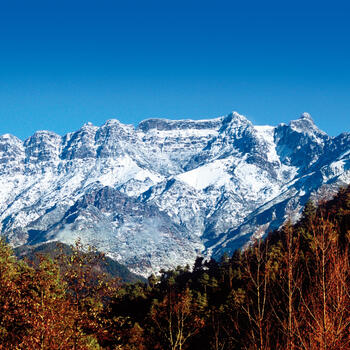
288,291
54,249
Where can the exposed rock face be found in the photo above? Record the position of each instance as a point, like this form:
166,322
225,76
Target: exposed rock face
158,195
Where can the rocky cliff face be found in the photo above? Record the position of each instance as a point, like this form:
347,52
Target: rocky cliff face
160,194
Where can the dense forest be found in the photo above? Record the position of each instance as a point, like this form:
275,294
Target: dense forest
288,291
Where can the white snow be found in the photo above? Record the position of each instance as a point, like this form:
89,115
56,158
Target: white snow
207,175
222,189
265,134
183,133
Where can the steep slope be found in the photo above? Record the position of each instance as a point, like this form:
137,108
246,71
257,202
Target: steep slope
157,195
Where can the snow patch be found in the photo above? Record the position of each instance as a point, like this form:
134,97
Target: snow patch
212,174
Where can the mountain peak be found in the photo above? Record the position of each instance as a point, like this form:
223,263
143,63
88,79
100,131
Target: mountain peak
235,118
89,126
306,115
306,125
178,188
236,115
9,138
112,122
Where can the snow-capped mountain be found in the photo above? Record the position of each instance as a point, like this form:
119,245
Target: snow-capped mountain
158,195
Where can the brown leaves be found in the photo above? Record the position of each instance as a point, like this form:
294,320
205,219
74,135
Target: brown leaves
46,306
176,318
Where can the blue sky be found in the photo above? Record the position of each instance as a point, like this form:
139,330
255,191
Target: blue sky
64,63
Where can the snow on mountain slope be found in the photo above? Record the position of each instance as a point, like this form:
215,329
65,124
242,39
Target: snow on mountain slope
160,194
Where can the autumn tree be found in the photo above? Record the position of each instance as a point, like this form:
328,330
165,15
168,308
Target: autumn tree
256,266
88,289
13,317
34,308
176,319
286,283
48,310
326,303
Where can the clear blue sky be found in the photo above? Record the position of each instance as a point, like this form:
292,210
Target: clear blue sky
64,63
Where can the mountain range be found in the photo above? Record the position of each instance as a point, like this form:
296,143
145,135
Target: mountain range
160,194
